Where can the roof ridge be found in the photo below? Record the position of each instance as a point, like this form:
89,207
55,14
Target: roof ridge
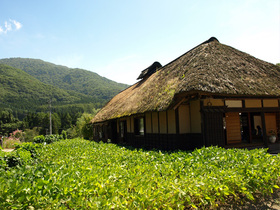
212,39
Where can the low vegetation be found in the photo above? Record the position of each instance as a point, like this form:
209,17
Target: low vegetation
75,174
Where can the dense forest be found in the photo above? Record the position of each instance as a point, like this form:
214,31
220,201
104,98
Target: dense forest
30,89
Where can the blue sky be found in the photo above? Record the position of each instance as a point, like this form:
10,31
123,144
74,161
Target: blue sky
118,39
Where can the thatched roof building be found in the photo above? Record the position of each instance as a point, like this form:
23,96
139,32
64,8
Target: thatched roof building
209,68
211,95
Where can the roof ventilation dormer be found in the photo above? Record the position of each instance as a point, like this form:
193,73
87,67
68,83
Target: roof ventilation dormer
212,39
150,70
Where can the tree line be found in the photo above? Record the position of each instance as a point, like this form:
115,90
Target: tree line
76,124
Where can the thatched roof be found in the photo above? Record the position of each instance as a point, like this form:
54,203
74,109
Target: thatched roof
210,68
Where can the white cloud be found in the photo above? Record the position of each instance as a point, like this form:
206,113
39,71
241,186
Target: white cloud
8,26
11,25
17,24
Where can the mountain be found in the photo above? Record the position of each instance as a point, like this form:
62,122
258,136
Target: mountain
28,84
20,90
78,80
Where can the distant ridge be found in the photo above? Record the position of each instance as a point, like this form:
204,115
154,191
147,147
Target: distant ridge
33,82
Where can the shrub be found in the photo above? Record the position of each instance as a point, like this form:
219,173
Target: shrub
39,139
64,134
32,148
9,143
52,138
3,163
15,158
29,134
48,139
18,134
74,173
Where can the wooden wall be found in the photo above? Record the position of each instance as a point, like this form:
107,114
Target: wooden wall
171,129
184,119
195,117
182,128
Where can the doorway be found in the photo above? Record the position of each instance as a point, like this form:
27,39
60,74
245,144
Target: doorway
233,128
245,127
123,131
271,125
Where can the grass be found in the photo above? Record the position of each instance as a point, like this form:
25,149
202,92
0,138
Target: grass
76,173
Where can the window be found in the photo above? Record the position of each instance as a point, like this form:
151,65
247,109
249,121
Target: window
139,126
100,131
122,128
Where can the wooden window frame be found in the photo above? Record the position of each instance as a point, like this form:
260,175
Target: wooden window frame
139,126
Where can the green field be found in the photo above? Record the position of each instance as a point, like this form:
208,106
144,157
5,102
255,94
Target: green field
79,174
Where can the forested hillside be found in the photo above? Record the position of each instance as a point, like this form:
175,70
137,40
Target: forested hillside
28,85
78,80
24,92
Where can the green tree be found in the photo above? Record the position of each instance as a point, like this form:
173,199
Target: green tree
8,123
56,123
83,126
66,121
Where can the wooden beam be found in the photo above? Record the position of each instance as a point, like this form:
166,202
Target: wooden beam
180,102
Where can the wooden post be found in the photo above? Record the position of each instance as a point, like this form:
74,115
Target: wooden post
250,128
178,139
264,129
203,129
177,121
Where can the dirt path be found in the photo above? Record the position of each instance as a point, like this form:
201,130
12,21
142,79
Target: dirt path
271,203
7,150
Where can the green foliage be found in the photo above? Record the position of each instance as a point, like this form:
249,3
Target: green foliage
27,85
72,132
9,160
9,143
64,134
24,92
83,127
29,134
48,139
8,123
52,138
76,174
56,123
39,139
31,147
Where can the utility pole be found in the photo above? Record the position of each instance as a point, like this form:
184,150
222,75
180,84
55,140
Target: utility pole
50,116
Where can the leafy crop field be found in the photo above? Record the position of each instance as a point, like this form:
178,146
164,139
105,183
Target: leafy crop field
79,174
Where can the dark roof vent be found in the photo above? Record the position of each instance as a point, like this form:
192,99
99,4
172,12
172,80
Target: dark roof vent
212,39
150,70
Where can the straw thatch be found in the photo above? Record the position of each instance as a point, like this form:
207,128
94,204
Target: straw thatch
210,68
